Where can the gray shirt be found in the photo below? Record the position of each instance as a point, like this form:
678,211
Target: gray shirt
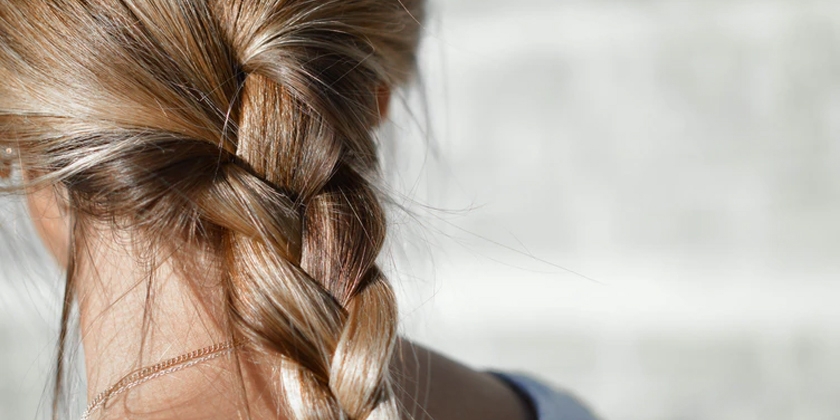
546,402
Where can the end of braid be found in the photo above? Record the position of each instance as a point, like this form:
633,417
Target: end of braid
360,379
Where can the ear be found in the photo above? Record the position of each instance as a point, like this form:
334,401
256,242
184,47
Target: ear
383,99
47,209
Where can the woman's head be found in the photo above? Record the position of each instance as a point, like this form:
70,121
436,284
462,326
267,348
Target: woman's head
239,130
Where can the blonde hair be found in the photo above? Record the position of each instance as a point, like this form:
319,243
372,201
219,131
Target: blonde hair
235,127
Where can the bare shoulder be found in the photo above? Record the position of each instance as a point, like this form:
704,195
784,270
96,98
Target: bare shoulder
434,387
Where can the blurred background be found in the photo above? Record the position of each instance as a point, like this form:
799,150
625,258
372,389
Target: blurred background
635,200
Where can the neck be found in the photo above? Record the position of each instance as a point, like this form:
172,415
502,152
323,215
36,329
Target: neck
134,315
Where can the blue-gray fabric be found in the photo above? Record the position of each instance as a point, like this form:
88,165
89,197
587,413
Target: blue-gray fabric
548,403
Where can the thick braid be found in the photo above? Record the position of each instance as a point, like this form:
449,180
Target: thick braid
346,313
307,109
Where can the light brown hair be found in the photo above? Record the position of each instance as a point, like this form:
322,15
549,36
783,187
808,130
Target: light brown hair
235,128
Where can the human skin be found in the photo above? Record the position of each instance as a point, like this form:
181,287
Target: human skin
113,299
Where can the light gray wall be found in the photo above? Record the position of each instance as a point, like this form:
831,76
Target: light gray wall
684,156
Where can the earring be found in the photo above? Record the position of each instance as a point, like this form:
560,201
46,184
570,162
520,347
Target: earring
7,155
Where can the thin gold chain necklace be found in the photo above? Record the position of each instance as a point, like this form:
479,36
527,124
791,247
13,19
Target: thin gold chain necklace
143,375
